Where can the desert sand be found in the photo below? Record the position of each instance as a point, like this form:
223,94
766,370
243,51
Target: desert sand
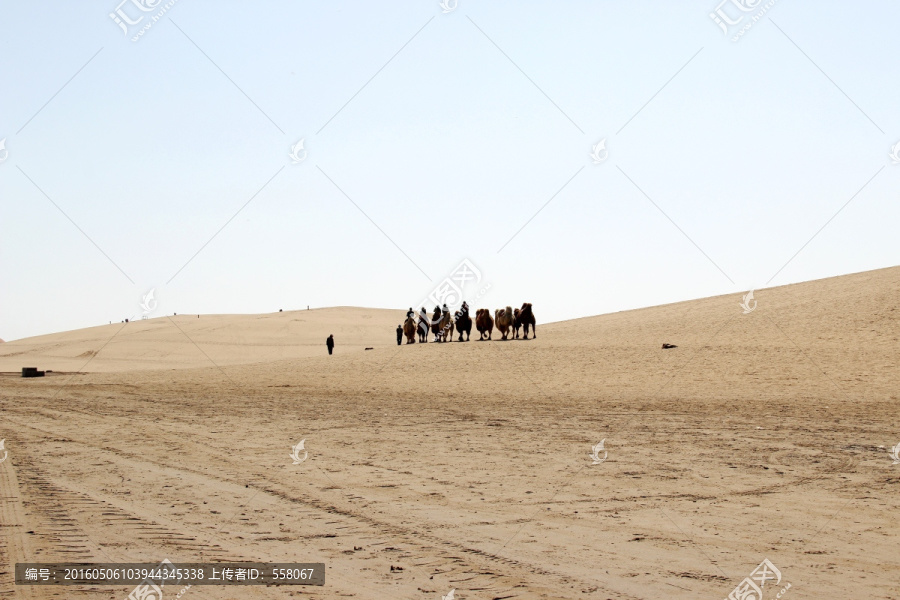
466,466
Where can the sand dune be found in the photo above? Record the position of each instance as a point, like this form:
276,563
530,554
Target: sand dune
762,435
189,341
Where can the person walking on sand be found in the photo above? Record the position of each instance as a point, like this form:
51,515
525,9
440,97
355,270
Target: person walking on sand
399,335
330,343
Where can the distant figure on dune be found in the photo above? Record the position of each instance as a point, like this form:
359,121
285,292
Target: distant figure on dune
410,313
484,323
399,335
330,343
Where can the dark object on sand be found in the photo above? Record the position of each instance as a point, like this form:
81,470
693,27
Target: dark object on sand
31,372
667,346
370,348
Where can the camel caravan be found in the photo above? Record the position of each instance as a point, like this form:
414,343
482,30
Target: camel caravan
441,324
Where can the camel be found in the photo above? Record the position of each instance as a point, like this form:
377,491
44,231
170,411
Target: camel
526,317
504,320
409,329
517,322
441,324
446,327
484,323
436,323
423,326
463,322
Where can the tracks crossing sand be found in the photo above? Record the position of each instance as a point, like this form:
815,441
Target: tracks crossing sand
761,436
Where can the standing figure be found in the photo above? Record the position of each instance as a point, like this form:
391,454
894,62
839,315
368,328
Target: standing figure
399,335
330,343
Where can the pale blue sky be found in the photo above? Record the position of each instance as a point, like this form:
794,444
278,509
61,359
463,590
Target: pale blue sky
482,117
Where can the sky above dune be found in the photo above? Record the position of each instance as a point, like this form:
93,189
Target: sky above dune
586,157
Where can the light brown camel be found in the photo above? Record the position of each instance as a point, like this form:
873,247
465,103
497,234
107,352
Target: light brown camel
504,320
446,326
409,329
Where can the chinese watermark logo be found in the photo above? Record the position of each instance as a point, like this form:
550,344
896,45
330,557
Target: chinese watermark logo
595,453
751,587
148,302
121,18
295,452
125,21
748,298
450,290
895,453
895,153
4,153
450,596
725,21
599,153
449,6
5,453
147,589
448,297
298,154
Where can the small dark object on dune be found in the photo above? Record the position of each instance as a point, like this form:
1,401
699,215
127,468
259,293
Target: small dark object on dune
370,348
31,372
667,346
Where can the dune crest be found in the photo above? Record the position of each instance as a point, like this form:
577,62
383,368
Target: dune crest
839,312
